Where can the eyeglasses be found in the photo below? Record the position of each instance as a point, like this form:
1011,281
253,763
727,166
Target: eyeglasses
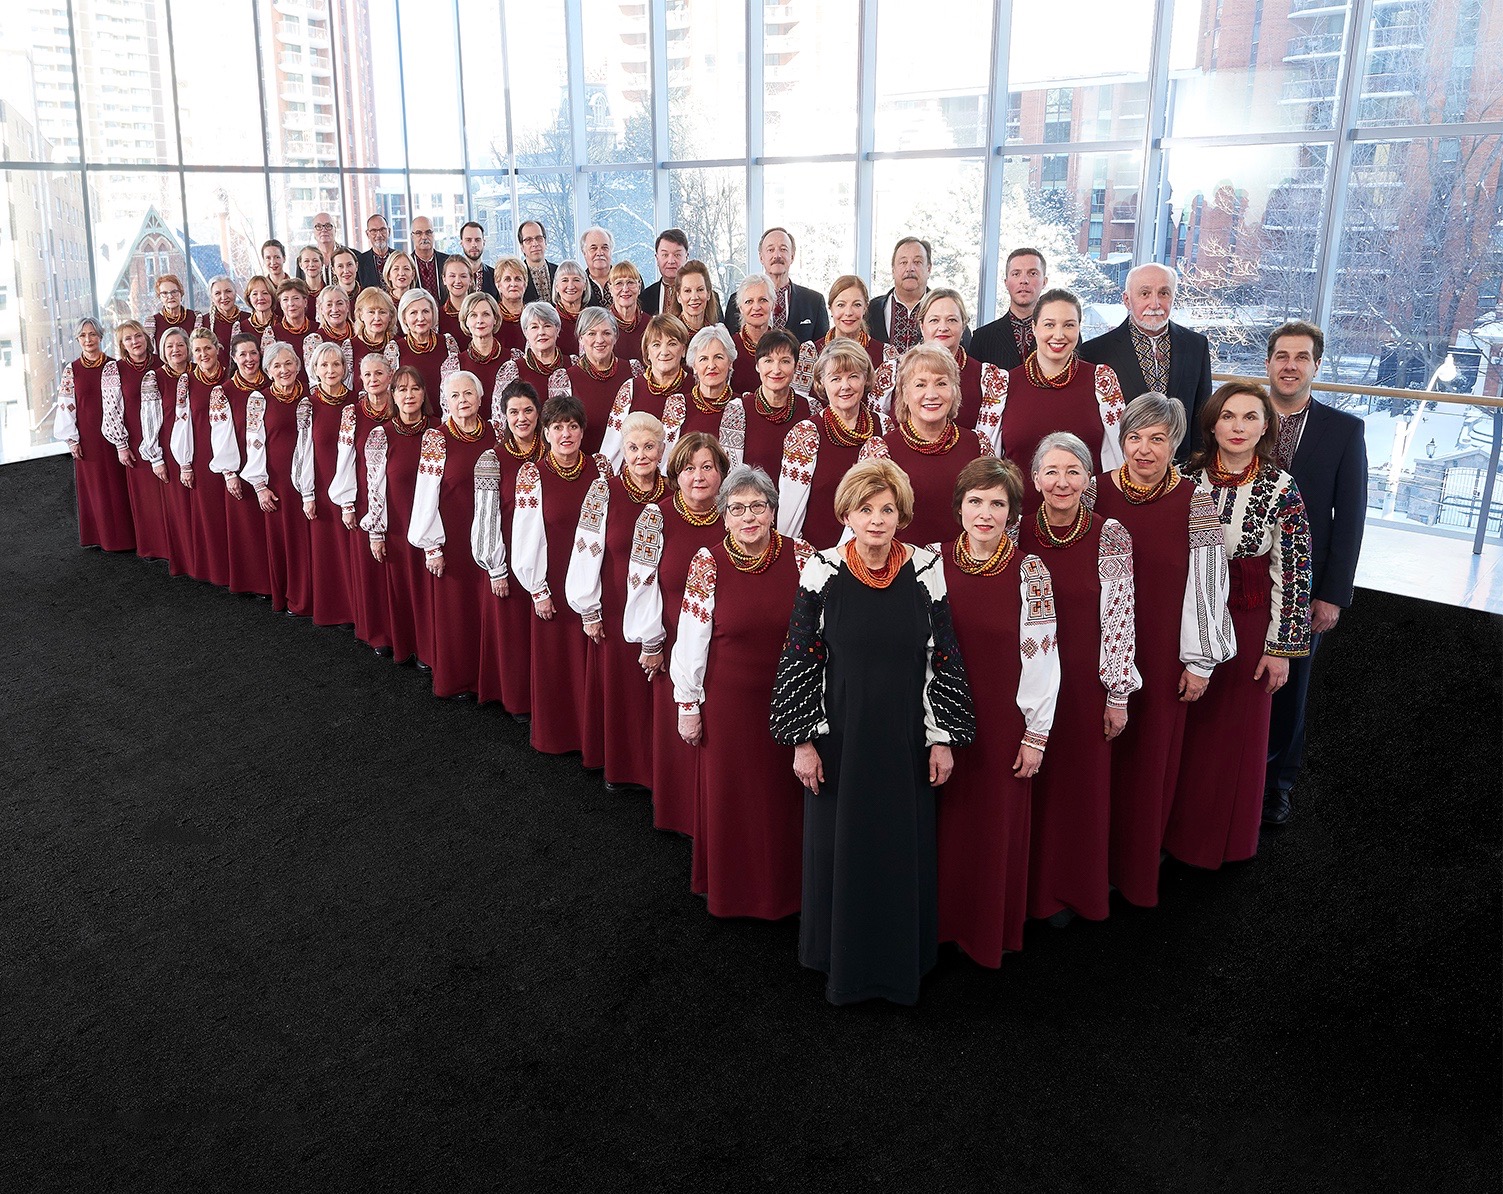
739,509
323,227
534,240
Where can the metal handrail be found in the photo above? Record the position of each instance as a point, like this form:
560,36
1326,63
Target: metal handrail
1381,391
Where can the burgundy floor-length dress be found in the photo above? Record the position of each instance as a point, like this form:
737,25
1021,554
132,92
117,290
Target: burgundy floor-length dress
211,537
430,363
932,474
1067,857
1089,406
288,554
177,502
485,368
148,495
409,593
985,812
598,393
104,515
245,524
766,430
507,629
675,764
460,595
749,806
328,538
368,598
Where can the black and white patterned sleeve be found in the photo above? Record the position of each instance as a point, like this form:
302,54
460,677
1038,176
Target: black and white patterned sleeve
949,713
798,692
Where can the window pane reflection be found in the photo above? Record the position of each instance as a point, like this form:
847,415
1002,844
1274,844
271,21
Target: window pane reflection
618,82
706,79
817,203
297,64
430,79
295,200
939,201
622,202
538,78
124,77
215,50
710,206
1423,65
550,199
810,56
932,79
444,199
370,102
38,116
227,223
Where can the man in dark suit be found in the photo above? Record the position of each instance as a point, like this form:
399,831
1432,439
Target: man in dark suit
533,239
430,262
1007,341
1151,354
1325,450
671,250
472,241
797,308
373,260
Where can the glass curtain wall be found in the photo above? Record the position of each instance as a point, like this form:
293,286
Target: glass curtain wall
1329,159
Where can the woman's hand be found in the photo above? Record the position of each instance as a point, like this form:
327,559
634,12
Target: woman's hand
941,764
652,663
691,728
185,475
543,607
435,563
76,449
378,550
349,518
1114,722
265,496
160,470
127,457
808,767
1027,764
500,586
234,486
596,631
1191,685
310,509
1276,670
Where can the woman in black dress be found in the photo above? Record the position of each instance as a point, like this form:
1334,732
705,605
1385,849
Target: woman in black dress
871,693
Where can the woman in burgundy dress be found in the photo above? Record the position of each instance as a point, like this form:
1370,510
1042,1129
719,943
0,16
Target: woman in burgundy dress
848,300
749,806
129,390
625,285
697,466
942,320
570,287
294,299
456,281
511,285
662,390
1003,608
344,265
550,496
713,407
374,327
601,570
176,446
328,538
1056,391
541,365
694,299
1183,630
310,268
334,327
245,524
279,466
216,459
518,430
598,373
483,356
458,498
772,406
350,492
927,443
392,454
819,452
170,312
224,318
104,518
1218,804
1090,565
422,346
754,308
261,299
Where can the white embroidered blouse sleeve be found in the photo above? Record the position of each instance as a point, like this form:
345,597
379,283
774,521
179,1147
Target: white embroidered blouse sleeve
150,447
800,458
182,426
302,452
582,584
426,530
529,535
374,522
342,489
1206,637
112,396
487,541
226,456
733,431
1111,406
65,420
1038,637
696,623
610,446
643,620
1119,669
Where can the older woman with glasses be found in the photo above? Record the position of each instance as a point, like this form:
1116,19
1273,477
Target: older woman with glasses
598,373
1090,564
872,695
625,295
1183,630
422,346
748,804
170,311
604,568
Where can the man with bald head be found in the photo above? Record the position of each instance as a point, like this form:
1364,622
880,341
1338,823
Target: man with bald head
430,262
324,239
1150,353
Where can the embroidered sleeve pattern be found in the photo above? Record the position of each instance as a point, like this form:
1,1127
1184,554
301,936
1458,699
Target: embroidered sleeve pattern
733,430
1206,637
182,427
1290,565
643,620
1111,406
447,370
302,452
696,624
675,411
1038,644
112,396
874,449
65,421
487,542
1118,667
798,692
426,530
949,712
610,444
993,403
558,383
226,457
529,535
342,489
803,373
884,383
374,522
800,458
582,588
150,447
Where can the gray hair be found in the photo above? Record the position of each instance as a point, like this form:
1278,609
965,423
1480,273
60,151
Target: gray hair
218,278
568,269
166,336
590,317
332,290
415,295
88,321
1151,410
462,375
610,241
712,331
1138,269
273,350
741,478
1063,441
754,280
538,309
640,420
319,353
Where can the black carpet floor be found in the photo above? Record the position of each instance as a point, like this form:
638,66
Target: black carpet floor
272,917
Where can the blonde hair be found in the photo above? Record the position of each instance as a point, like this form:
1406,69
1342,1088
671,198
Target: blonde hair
130,325
935,296
640,420
866,480
843,352
933,358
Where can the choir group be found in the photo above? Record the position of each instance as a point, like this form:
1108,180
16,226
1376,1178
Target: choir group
793,565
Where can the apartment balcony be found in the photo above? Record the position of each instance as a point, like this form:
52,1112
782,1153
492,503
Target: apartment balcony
291,61
1305,91
321,92
1313,45
1397,37
1124,213
1310,8
783,16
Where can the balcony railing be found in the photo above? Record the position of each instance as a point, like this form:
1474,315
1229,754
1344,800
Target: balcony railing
1313,45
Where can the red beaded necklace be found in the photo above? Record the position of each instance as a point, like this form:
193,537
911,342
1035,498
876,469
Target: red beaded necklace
606,374
458,432
688,515
637,493
402,428
1059,381
663,387
877,578
937,447
1051,538
773,414
1222,479
849,437
710,406
968,563
757,563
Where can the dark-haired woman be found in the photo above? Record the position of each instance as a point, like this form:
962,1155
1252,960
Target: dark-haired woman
517,424
773,407
848,300
217,457
662,390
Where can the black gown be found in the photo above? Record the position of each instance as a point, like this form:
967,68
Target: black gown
856,672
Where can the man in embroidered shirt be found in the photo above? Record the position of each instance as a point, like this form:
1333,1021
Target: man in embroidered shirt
893,317
533,239
373,260
596,248
1006,342
1325,450
794,308
430,262
1151,354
